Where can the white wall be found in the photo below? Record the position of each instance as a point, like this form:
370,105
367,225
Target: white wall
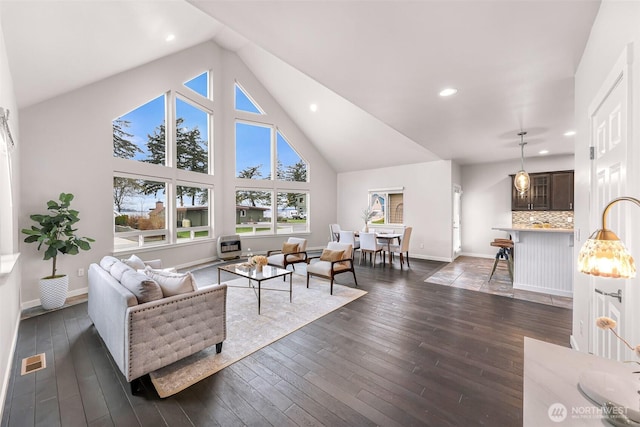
427,203
70,138
615,26
486,199
10,283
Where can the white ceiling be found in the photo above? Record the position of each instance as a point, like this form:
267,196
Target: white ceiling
373,67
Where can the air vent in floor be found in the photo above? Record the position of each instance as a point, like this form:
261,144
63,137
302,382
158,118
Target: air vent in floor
33,363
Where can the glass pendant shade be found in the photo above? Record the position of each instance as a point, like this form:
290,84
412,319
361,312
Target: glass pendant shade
604,254
522,182
605,257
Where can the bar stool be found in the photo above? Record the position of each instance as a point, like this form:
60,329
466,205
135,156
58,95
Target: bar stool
506,253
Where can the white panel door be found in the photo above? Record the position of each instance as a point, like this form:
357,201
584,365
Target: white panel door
609,117
457,239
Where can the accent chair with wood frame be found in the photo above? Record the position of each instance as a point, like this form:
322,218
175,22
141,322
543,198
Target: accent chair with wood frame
293,251
335,259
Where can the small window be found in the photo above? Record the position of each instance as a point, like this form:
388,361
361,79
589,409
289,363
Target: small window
192,137
253,151
292,213
387,206
199,84
139,134
291,167
256,206
244,102
192,213
139,212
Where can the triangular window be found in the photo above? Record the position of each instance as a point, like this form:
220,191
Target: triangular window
291,167
199,84
245,103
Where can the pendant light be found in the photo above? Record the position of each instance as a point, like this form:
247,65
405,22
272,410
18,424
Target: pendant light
522,181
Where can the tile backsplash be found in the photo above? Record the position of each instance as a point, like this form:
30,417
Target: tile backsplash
557,219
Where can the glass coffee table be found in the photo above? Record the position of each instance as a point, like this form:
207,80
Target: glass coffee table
268,272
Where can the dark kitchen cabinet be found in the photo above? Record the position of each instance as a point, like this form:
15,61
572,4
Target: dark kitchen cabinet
562,191
548,191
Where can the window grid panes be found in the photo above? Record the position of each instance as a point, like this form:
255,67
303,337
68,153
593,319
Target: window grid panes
140,216
253,212
192,137
200,84
141,131
141,136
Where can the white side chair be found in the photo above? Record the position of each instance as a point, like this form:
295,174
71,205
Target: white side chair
403,247
368,246
328,269
349,237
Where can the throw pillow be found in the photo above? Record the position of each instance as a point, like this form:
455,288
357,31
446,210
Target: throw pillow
289,248
329,255
107,262
134,262
173,283
118,269
142,286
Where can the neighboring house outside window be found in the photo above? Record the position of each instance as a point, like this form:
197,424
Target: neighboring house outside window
151,205
270,174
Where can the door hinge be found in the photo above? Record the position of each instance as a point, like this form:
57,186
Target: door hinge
617,295
592,153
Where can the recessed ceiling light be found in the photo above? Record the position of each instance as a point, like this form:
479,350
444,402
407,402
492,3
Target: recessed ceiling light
570,133
448,91
543,152
313,107
170,37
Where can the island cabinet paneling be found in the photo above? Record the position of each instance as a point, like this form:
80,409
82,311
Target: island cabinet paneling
548,191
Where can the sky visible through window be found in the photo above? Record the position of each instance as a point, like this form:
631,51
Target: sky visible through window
253,140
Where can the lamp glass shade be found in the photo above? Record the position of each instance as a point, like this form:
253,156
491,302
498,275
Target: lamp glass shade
606,258
522,181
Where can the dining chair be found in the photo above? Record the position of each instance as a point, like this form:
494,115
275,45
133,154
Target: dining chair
403,247
349,238
334,232
368,246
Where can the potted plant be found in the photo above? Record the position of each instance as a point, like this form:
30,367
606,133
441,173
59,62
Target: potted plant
56,233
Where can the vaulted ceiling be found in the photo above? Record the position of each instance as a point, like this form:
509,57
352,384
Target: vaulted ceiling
374,68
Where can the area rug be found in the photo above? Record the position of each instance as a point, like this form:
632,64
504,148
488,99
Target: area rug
248,332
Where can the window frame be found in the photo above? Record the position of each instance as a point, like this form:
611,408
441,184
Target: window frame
170,174
386,193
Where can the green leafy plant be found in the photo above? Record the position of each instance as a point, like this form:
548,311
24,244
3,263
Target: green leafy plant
56,232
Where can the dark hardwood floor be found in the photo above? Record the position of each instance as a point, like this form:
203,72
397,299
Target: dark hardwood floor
407,353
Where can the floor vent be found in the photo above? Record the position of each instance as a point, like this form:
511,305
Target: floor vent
33,363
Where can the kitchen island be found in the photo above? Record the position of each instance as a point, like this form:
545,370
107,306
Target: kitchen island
543,259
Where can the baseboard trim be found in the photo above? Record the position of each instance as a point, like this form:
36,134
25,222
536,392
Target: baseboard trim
543,290
574,343
7,369
36,302
471,254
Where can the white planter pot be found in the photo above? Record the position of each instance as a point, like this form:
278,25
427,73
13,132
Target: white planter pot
53,292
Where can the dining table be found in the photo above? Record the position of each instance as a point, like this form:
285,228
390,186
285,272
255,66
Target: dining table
388,237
